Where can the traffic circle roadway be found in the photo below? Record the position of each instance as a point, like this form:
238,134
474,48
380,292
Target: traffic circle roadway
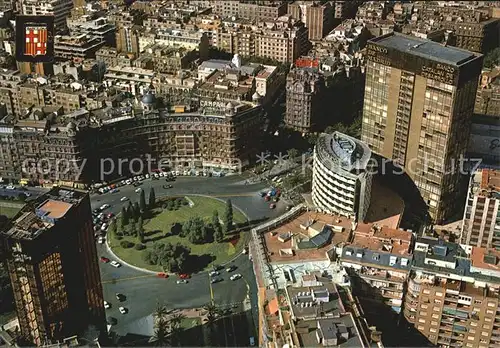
144,291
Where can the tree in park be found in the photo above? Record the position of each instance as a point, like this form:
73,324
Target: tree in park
137,210
217,228
170,257
152,198
142,201
195,230
228,216
132,228
123,219
112,228
140,230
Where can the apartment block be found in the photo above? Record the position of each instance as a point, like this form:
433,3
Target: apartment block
305,92
60,9
488,93
483,140
379,260
481,223
76,48
283,40
255,10
453,294
318,18
418,106
52,261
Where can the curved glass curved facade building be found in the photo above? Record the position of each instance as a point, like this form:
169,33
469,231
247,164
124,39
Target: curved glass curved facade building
341,180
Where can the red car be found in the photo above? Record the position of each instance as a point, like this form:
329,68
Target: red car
162,275
184,276
110,215
104,259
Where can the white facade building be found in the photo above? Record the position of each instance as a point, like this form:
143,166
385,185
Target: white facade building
60,9
341,179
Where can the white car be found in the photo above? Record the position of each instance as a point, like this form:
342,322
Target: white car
138,190
100,240
235,276
115,264
124,199
182,281
106,305
104,206
122,310
213,273
104,227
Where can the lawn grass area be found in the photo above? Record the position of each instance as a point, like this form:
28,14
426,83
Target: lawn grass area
9,211
155,231
188,323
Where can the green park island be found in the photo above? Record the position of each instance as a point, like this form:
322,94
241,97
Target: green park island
177,234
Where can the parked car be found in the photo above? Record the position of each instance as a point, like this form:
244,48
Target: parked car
104,206
123,310
100,240
105,259
115,264
162,275
214,273
235,276
182,281
272,206
230,268
215,280
124,199
107,305
184,276
120,297
138,190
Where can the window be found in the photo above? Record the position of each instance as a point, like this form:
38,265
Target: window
484,333
404,262
426,291
434,323
439,294
435,316
421,320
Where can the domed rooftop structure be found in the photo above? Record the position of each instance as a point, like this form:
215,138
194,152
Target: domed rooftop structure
149,98
256,96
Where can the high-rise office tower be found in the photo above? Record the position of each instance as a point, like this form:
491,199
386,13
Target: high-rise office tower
419,99
52,262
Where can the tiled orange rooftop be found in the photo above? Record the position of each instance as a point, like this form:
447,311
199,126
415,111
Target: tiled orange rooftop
274,245
477,258
379,238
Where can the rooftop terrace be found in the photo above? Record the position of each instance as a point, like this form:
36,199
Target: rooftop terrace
42,214
283,242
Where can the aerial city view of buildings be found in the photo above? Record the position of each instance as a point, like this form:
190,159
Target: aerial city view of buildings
244,173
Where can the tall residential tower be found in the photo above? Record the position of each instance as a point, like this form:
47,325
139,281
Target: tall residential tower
419,99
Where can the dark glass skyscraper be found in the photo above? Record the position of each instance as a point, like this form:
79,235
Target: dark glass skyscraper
53,266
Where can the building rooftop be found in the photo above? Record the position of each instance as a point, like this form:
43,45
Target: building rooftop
42,214
424,48
487,259
312,301
383,239
346,151
309,237
54,209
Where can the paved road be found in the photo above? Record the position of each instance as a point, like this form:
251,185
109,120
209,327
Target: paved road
245,197
145,291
